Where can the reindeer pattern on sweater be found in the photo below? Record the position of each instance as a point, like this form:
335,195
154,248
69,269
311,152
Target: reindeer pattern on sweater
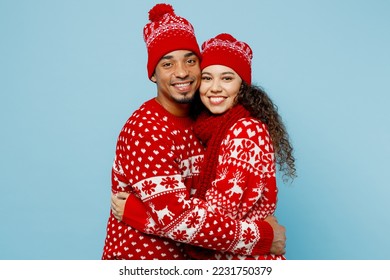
245,187
157,159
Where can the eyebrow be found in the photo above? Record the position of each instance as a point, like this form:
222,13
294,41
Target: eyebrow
171,56
189,54
223,73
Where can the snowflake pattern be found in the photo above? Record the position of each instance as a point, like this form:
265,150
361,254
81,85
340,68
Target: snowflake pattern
163,184
170,183
148,187
246,159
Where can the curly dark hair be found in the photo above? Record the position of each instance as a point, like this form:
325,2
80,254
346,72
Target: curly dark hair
260,106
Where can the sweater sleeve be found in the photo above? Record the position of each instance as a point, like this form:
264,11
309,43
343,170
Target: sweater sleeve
159,184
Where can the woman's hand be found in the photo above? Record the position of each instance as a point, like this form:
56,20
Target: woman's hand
118,202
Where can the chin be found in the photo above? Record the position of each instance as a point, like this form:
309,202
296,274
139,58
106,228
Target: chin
217,111
185,99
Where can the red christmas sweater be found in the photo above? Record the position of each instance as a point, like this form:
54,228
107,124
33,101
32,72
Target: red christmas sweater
157,159
245,185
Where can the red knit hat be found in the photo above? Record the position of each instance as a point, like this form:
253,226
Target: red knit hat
226,50
165,33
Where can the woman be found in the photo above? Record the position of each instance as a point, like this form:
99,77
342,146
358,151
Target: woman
244,137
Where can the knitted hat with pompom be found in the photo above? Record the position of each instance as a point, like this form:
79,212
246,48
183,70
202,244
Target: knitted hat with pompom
226,50
167,32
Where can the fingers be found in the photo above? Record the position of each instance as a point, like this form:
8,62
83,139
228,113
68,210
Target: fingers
279,243
114,205
113,197
271,219
278,248
122,195
114,211
118,201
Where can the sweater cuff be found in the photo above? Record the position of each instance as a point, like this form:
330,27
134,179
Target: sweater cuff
135,213
264,244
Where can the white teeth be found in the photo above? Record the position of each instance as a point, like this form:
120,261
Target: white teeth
182,85
216,99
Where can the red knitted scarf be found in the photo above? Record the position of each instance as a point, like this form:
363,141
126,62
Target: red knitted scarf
211,130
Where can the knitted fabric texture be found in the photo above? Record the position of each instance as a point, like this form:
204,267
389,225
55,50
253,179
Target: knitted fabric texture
158,159
244,186
167,32
211,130
226,50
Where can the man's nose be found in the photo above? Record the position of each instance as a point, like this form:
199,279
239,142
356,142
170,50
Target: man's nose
181,71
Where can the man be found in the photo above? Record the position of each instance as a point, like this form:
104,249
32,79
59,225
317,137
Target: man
158,157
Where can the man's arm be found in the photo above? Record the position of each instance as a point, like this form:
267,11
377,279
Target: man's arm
153,169
137,218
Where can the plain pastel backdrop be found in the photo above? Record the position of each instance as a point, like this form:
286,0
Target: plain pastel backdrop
72,72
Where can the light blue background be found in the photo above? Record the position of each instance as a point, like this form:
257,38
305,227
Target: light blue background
71,72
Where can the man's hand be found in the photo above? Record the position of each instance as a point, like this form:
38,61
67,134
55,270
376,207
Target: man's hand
279,243
118,202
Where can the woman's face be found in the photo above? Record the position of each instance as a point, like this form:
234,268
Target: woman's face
219,88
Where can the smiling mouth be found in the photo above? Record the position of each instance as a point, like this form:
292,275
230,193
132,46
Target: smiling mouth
182,86
216,100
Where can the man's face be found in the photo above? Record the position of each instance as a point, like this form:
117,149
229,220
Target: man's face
177,76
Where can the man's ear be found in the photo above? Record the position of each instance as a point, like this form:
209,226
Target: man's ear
153,78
